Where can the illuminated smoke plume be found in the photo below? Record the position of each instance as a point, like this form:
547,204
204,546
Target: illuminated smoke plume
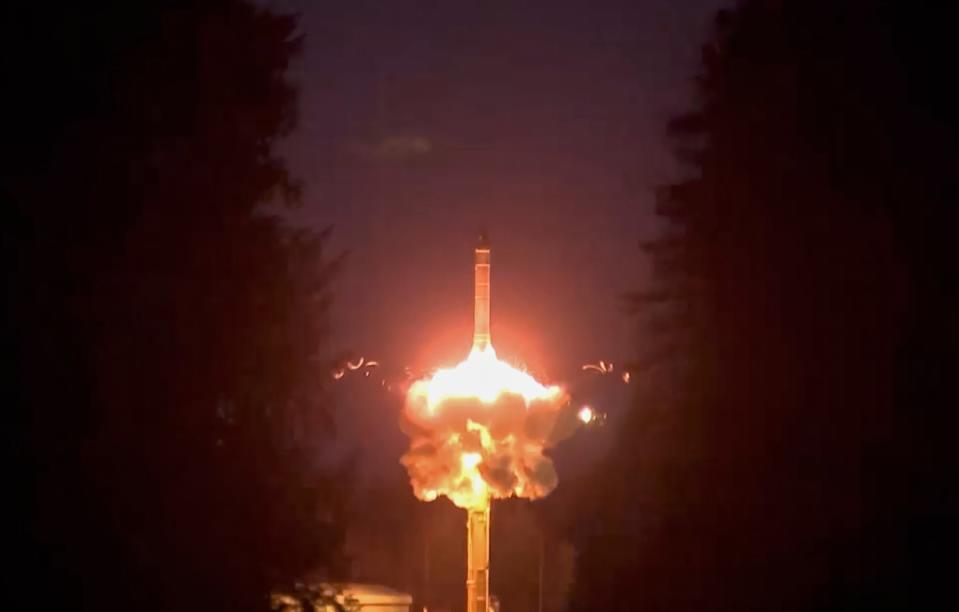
478,431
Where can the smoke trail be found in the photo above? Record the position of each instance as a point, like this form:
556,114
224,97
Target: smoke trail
478,431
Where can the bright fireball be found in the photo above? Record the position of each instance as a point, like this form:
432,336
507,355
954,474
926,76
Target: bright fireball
481,376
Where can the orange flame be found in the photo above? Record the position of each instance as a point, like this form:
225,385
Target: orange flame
482,376
478,432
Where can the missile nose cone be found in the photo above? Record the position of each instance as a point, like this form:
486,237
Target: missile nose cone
483,241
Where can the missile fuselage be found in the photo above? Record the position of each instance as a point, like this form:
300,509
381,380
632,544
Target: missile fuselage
478,519
481,291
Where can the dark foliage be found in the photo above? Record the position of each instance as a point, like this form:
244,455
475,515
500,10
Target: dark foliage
792,447
164,387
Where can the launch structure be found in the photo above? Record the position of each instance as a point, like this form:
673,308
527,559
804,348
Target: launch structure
478,518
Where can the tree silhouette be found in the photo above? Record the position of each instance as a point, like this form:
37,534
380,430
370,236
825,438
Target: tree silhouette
167,398
790,445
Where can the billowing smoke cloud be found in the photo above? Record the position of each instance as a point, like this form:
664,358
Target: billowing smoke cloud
471,450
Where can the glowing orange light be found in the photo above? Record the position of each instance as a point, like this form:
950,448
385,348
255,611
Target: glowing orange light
481,376
586,414
494,390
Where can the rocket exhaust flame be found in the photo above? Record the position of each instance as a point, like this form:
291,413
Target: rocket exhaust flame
477,432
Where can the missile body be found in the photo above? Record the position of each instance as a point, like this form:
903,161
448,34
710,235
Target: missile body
481,289
477,523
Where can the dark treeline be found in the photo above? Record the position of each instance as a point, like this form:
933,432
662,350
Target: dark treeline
163,336
793,446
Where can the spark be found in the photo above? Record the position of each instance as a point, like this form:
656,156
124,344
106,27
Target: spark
605,367
602,367
586,415
342,367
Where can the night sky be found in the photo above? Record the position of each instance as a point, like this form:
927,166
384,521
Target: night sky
423,123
